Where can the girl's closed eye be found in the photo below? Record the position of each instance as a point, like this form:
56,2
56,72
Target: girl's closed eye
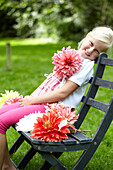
97,51
91,43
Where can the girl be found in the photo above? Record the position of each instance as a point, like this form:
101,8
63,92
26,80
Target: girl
69,93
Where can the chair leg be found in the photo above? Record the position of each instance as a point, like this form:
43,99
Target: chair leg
16,144
46,165
49,157
25,160
85,157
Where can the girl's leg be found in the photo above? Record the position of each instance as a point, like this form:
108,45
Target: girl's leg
11,117
2,149
6,120
7,164
9,107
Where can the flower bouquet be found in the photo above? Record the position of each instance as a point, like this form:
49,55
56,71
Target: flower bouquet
10,97
53,125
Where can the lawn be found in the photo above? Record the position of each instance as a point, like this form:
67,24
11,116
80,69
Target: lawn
31,59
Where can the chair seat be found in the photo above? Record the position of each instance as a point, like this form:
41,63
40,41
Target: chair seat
77,141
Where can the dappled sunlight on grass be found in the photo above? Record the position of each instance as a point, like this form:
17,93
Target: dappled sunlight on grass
30,41
27,41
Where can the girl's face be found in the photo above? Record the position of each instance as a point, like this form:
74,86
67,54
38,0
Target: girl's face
91,48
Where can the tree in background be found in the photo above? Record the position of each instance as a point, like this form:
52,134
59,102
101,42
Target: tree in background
7,22
75,18
66,19
20,12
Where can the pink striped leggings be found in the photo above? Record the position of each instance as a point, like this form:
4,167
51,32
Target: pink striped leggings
11,114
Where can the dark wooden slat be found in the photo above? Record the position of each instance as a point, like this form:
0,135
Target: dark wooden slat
32,140
107,61
81,137
98,105
69,141
54,143
46,165
104,83
91,80
38,141
16,144
63,147
22,164
83,98
52,160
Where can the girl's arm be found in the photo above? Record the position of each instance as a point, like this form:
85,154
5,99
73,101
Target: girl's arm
51,97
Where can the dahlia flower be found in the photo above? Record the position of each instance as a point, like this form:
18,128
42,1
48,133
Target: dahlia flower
53,125
67,62
9,97
64,112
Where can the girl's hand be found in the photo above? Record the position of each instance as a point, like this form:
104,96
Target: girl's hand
27,100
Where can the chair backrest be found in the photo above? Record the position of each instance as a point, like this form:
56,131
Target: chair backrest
97,81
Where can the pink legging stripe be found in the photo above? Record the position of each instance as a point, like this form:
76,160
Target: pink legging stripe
11,114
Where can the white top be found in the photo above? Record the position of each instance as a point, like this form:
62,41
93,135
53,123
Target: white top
81,78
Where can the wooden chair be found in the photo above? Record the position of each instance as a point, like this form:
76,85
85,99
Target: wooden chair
51,151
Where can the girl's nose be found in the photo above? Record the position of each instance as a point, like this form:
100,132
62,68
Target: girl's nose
90,50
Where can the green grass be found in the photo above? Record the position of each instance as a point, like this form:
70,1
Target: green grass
31,59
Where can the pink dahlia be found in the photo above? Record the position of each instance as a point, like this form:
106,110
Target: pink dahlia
65,112
67,62
12,100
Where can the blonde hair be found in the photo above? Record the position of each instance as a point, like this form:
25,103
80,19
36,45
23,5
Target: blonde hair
104,34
